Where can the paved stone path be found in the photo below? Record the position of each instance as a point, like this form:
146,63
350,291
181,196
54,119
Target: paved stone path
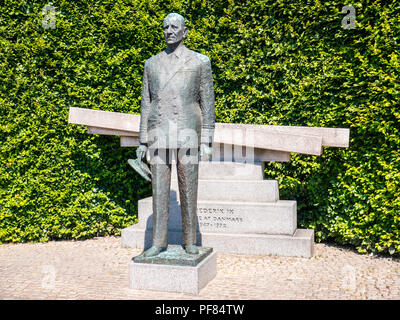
98,269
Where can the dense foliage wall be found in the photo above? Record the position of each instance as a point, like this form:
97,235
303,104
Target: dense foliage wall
274,62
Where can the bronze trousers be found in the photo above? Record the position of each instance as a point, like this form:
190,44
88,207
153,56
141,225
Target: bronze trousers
188,185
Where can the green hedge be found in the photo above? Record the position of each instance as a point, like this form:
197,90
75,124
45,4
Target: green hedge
274,62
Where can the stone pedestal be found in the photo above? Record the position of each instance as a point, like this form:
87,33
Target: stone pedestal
174,270
238,212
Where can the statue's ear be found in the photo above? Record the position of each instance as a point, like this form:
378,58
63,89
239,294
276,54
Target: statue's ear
185,32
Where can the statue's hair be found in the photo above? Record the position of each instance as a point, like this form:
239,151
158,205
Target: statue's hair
176,15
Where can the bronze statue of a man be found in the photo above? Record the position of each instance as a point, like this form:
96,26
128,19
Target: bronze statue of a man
177,114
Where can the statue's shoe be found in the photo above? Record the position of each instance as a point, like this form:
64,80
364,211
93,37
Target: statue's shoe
153,251
192,249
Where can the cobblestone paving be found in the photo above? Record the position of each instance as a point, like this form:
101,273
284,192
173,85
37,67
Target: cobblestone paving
98,269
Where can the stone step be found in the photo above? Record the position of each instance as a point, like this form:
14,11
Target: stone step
300,244
229,217
235,190
214,170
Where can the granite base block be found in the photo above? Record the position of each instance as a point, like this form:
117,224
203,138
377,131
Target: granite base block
173,278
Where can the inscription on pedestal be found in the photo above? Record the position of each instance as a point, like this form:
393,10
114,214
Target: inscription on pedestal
218,218
230,217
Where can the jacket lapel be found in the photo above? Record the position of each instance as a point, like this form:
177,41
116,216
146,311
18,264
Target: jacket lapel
185,57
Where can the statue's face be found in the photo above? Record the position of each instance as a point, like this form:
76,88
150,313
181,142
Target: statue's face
173,30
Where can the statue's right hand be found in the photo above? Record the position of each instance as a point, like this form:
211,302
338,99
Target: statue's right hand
141,151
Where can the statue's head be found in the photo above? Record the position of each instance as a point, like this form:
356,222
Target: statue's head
174,28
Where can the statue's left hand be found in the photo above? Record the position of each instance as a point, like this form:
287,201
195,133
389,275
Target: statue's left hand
205,152
141,151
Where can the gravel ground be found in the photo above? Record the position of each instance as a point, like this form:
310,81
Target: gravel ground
98,269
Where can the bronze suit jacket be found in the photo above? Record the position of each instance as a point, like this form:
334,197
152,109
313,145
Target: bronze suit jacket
177,107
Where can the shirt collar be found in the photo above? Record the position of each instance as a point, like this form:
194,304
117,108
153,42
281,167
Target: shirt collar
178,51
